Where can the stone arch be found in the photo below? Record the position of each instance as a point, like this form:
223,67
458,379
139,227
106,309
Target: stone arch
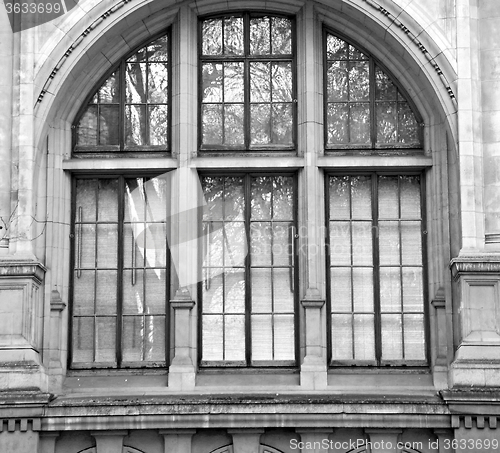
225,449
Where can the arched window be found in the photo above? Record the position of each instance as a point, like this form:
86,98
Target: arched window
130,110
364,107
247,77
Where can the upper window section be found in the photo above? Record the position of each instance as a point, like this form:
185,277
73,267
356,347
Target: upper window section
247,83
130,110
364,107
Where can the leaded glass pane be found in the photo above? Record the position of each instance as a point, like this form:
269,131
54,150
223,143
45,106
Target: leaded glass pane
212,124
338,123
341,289
364,337
83,339
135,125
284,341
233,36
109,93
105,339
234,337
260,38
158,50
212,37
342,337
262,337
213,337
158,124
109,125
157,83
87,127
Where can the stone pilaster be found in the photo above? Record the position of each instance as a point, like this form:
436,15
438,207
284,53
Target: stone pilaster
55,368
177,440
440,340
314,437
477,358
383,440
109,441
246,440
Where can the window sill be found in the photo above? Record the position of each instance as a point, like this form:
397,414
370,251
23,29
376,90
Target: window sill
416,162
121,164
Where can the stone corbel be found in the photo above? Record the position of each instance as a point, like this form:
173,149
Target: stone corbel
440,361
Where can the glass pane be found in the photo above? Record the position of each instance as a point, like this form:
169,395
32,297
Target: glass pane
283,200
157,83
413,291
133,291
212,82
140,55
408,126
414,337
281,35
361,197
411,241
260,243
158,50
215,243
340,207
389,243
86,195
212,37
388,202
340,243
341,289
260,36
212,337
107,200
233,125
213,191
260,124
336,76
282,124
83,293
342,340
392,347
83,340
284,337
362,286
158,125
260,82
336,48
262,297
235,246
282,290
135,83
360,123
281,78
282,244
261,190
109,93
86,243
154,342
132,339
234,337
109,125
359,81
86,131
364,337
233,82
410,197
105,339
213,293
156,297
106,286
262,337
386,114
337,123
233,36
212,124
135,125
385,90
362,254
135,200
390,289
235,291
234,199
356,54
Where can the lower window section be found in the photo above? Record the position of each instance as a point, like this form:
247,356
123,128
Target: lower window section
376,297
120,273
248,288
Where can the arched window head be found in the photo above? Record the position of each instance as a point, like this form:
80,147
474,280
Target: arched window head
364,107
247,76
130,110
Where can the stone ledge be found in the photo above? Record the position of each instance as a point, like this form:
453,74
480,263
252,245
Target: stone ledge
21,268
488,263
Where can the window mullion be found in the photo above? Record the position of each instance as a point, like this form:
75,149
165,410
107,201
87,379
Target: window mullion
248,283
376,271
119,289
246,82
373,126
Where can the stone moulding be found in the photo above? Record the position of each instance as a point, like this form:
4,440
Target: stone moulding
480,264
20,424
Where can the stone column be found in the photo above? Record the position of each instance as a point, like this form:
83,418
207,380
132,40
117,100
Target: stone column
6,91
314,440
477,358
489,27
246,440
177,440
313,373
109,441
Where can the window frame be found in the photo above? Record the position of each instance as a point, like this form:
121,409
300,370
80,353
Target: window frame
372,147
121,150
246,58
118,336
385,365
264,365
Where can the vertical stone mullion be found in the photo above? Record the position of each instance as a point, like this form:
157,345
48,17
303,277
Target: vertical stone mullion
310,240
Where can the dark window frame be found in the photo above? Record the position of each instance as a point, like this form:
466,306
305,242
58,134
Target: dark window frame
96,366
269,365
122,150
355,364
246,59
373,146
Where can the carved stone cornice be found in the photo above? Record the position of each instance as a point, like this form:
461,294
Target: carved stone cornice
22,268
475,264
